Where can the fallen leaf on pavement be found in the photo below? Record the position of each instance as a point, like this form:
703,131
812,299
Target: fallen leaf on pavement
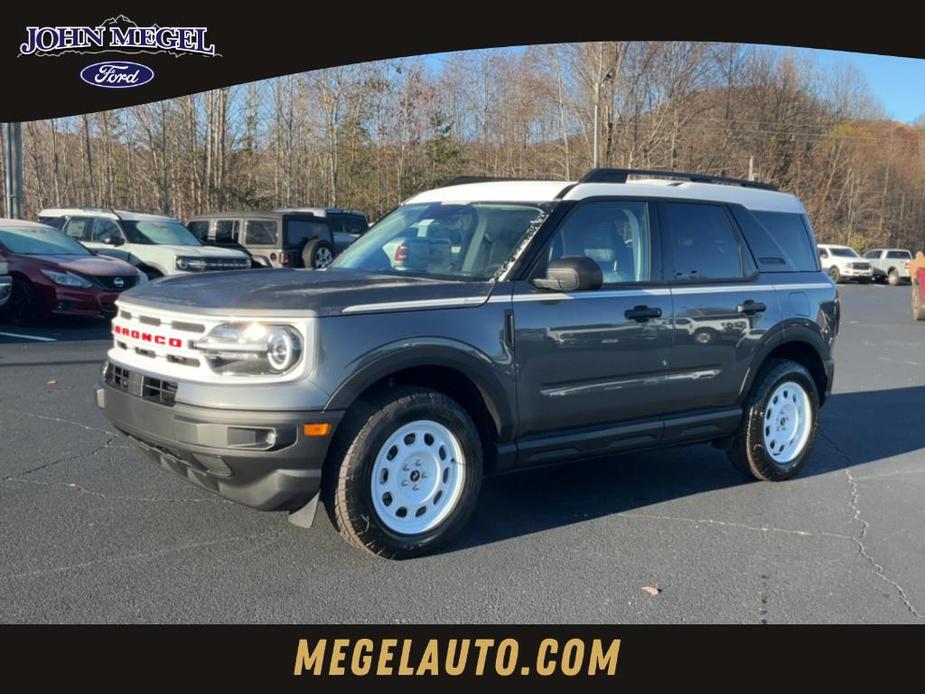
652,591
52,382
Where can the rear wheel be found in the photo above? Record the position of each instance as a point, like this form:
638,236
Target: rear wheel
409,475
780,423
835,274
893,277
918,306
19,309
317,254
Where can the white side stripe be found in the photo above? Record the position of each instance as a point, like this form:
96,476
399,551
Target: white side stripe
563,296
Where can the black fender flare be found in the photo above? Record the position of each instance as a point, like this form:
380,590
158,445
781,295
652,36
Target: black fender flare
802,331
465,359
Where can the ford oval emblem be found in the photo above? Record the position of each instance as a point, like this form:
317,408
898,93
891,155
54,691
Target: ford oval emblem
117,74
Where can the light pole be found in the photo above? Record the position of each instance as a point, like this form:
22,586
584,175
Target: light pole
14,197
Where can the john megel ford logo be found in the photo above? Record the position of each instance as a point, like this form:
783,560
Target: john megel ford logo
116,35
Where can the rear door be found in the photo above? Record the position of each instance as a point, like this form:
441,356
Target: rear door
722,307
595,357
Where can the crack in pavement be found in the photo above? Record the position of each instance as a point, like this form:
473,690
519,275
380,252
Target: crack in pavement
854,504
878,569
738,526
60,420
137,556
118,497
66,459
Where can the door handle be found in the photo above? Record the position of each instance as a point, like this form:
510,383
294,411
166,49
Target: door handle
751,307
642,313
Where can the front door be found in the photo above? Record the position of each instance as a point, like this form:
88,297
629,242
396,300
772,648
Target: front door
598,357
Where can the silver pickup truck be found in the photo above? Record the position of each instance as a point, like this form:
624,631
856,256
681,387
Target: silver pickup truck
889,264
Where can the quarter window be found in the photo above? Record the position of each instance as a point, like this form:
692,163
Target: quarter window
260,232
614,234
199,229
701,243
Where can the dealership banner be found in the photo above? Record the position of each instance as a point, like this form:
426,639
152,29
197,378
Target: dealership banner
459,658
59,61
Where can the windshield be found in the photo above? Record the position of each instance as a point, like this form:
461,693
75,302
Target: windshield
160,231
844,253
39,241
464,241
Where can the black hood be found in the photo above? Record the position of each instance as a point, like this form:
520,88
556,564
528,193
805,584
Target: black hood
302,292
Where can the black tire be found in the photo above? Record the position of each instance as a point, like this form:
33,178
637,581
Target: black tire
19,308
918,306
317,253
835,274
893,277
151,273
348,477
747,452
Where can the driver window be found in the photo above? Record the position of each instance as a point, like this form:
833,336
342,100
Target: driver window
614,234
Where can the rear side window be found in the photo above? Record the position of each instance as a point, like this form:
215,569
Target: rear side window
356,224
199,229
902,255
790,232
56,222
700,242
261,232
226,231
79,228
298,231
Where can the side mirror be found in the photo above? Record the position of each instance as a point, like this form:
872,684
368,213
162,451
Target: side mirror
571,274
112,241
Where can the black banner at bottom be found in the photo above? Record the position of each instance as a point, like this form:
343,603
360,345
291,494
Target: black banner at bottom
456,658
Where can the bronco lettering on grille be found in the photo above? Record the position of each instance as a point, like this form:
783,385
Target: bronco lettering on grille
147,337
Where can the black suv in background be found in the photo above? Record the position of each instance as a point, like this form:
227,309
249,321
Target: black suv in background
482,328
278,238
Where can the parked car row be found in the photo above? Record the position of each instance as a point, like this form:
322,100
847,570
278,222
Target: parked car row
75,261
843,263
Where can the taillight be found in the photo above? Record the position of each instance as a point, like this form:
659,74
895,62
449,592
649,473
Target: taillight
401,253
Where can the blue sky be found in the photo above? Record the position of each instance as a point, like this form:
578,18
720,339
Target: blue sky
899,83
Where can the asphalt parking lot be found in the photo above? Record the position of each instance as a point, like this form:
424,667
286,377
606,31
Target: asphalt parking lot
90,531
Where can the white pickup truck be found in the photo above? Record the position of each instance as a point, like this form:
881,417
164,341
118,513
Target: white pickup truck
843,263
890,264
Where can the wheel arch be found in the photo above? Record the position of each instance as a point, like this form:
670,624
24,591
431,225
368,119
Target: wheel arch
800,345
458,370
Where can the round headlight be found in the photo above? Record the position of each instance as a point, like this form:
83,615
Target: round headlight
282,351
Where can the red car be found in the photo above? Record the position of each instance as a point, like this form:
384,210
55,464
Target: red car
54,275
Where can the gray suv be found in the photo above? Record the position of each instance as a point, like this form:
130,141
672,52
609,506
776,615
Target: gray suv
484,328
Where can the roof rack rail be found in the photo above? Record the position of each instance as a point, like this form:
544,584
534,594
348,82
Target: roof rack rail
621,176
463,180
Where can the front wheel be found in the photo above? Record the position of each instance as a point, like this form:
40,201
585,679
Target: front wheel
781,419
19,308
835,274
409,475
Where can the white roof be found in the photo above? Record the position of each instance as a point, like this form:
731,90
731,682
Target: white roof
100,212
545,191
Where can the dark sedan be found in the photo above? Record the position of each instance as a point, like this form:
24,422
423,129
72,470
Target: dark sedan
55,275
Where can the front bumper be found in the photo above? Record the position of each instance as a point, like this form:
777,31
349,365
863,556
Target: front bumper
855,273
226,451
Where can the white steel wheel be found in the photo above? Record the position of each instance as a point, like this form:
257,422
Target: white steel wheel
323,257
787,422
417,477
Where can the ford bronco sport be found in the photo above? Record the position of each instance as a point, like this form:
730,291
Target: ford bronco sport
484,328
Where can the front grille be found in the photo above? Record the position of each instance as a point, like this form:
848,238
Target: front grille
113,283
860,266
145,387
219,264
